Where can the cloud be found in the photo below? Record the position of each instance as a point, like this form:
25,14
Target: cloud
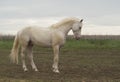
101,30
11,26
107,20
97,15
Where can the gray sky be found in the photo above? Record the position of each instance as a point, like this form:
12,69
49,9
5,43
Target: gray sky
100,16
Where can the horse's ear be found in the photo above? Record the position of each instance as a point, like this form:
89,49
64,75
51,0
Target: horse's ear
81,20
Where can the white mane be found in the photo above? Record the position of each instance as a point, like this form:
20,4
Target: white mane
64,22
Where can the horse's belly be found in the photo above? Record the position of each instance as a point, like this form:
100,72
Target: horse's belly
44,43
42,40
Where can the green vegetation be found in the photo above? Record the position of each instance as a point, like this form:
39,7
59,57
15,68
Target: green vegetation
76,44
80,61
6,44
92,44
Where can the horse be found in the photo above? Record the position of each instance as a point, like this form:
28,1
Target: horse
54,36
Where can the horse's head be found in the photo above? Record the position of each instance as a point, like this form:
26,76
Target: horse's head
76,28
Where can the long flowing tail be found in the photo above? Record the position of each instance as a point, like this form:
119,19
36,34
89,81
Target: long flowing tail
14,51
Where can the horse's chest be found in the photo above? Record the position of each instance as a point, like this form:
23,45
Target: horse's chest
58,39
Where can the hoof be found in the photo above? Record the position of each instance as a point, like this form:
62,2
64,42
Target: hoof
36,70
56,71
25,70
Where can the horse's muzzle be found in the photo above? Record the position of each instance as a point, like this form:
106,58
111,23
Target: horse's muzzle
77,38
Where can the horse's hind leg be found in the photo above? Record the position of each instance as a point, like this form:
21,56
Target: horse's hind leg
23,58
30,55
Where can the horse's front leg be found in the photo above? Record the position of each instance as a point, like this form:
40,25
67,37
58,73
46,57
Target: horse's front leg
56,58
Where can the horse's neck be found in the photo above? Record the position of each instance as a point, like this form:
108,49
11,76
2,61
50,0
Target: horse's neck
65,29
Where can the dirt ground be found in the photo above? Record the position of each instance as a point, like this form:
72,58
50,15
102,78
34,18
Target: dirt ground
84,65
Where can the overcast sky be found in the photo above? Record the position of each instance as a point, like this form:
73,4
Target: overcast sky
100,16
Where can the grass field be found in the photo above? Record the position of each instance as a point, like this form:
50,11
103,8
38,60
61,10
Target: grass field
80,61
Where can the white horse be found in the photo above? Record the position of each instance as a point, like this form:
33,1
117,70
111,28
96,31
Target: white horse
54,36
